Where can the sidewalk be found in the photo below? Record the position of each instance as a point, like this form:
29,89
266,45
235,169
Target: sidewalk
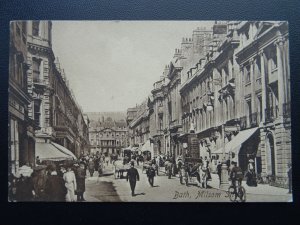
260,189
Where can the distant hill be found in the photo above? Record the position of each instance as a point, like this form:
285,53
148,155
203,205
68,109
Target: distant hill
96,116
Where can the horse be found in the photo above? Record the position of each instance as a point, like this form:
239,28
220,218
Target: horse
192,172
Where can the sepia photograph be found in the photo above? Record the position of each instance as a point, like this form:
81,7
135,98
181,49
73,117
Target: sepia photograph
149,111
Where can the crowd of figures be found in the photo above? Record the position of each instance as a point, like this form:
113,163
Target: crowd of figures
51,182
54,181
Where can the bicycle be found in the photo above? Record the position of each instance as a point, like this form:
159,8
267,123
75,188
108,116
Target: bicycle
237,192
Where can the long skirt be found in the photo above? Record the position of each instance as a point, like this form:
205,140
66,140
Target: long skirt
70,196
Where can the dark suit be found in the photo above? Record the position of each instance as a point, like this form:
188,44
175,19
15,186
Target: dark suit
132,176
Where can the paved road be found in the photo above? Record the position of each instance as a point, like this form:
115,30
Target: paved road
109,189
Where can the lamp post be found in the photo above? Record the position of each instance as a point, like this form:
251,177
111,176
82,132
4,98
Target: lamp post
224,172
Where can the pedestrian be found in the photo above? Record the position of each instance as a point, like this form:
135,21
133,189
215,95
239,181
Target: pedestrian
91,166
12,187
133,177
39,183
80,179
61,171
24,189
107,160
55,189
70,183
251,176
151,174
219,171
289,173
96,162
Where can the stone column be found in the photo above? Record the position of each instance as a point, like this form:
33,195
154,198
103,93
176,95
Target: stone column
281,87
263,85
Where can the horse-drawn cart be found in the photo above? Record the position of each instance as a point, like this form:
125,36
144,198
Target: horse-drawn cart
120,168
195,172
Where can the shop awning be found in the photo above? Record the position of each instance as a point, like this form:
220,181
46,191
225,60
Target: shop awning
64,150
53,152
236,143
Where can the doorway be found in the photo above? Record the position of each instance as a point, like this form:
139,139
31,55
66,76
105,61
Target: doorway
270,153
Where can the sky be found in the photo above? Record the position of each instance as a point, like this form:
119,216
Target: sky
112,65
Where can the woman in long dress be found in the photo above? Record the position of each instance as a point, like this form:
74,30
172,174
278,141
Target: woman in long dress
70,183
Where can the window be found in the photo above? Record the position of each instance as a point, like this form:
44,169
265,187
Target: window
247,74
35,28
273,61
36,70
258,66
37,112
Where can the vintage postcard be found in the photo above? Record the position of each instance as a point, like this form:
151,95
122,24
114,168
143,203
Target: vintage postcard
149,111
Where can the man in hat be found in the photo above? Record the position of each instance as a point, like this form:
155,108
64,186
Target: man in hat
151,174
236,174
132,176
39,182
80,178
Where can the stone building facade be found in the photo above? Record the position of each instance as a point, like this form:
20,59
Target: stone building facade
42,106
21,138
108,136
231,93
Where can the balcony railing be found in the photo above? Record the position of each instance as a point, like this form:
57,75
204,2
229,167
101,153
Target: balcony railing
254,119
271,113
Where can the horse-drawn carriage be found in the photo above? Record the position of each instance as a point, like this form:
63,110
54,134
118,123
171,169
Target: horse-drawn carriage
194,171
120,168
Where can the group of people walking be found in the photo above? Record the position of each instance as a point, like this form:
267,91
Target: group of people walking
49,183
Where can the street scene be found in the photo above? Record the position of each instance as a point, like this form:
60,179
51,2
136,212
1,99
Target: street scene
149,111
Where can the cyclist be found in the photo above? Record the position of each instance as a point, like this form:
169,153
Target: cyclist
236,174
